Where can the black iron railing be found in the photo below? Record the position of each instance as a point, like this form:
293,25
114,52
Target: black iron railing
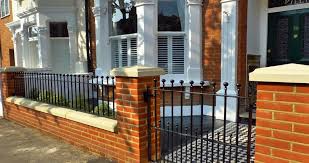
189,130
85,93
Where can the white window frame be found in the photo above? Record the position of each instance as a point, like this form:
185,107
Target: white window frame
6,3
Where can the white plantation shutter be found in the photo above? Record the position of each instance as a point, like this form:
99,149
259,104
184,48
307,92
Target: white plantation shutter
178,52
171,54
163,52
133,51
124,52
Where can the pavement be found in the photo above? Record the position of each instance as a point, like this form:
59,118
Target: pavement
19,144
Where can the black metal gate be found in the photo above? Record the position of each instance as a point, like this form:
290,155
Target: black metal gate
188,130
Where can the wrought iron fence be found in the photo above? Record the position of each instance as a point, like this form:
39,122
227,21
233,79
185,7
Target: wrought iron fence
189,131
85,93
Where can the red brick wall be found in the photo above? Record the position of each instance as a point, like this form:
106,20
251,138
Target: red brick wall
242,45
282,133
128,144
212,41
6,42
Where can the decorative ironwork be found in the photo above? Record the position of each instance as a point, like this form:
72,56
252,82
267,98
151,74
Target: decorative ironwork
279,3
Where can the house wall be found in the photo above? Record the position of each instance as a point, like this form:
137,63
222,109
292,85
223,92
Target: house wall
212,41
6,39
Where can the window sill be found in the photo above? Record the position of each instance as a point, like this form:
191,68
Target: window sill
3,17
84,118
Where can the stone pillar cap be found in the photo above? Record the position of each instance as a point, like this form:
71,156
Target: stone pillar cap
12,69
289,73
137,71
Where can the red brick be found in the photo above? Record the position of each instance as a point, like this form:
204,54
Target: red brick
292,156
263,131
301,148
302,88
301,128
274,124
291,137
262,149
269,159
263,114
274,106
298,98
268,96
270,142
298,118
275,87
302,108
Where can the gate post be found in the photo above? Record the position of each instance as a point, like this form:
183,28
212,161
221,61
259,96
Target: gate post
131,85
8,84
282,116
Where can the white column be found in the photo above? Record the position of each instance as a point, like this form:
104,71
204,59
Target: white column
44,48
228,59
146,11
103,50
194,39
73,47
25,48
17,52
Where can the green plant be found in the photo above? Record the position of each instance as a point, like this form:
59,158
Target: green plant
47,96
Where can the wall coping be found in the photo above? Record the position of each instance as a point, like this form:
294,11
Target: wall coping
137,71
12,69
289,73
84,118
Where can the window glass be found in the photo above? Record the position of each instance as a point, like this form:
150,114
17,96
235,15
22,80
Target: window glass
171,15
58,29
123,18
5,11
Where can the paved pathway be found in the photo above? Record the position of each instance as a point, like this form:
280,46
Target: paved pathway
19,144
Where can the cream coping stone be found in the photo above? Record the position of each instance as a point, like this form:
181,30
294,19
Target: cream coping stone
84,118
137,71
289,73
12,69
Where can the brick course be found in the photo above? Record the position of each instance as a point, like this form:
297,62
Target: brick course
282,133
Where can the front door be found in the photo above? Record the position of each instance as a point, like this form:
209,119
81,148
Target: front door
288,37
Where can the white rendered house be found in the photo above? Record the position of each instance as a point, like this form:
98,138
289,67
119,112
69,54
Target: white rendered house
49,34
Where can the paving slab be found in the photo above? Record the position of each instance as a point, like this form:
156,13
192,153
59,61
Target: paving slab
19,144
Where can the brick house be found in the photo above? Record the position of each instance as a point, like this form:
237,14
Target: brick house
208,40
6,43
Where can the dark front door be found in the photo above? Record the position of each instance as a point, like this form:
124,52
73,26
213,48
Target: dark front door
288,37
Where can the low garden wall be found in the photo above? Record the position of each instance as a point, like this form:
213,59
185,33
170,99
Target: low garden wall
123,139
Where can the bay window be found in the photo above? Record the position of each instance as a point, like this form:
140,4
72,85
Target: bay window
171,30
123,32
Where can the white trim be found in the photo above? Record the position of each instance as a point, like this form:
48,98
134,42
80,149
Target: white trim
288,8
133,35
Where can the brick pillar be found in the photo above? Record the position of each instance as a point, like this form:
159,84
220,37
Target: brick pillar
282,118
9,82
131,83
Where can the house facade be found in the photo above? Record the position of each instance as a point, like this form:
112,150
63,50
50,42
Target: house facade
49,34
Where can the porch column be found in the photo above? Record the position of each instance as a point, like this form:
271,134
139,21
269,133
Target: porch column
73,47
17,52
194,30
25,48
44,48
146,11
103,51
228,59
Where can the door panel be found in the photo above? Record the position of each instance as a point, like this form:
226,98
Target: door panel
288,37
